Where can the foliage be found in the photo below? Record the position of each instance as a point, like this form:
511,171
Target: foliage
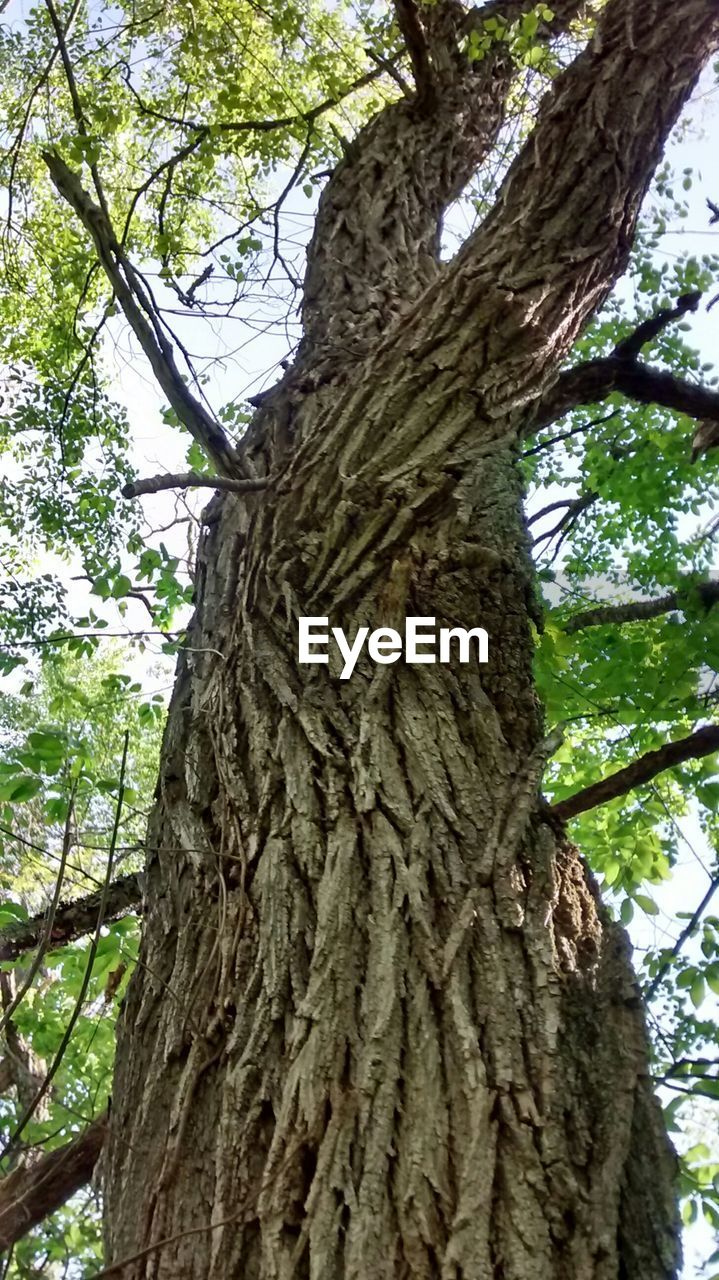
61,738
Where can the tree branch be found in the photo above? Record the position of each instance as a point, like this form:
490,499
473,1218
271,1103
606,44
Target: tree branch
703,742
31,1192
648,330
686,932
376,241
190,480
142,318
622,371
641,610
574,509
417,48
72,919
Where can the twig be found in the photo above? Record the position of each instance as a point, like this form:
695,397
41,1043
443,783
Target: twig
71,919
685,933
48,918
567,435
161,1244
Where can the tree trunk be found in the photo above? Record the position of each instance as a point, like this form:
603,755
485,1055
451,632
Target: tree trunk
380,1026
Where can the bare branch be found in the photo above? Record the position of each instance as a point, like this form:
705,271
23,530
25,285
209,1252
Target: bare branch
72,919
567,435
54,1067
642,610
191,480
575,508
48,918
31,1192
703,742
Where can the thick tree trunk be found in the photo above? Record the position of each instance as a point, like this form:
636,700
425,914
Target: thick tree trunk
380,1027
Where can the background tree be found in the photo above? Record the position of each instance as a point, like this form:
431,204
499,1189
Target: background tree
380,1023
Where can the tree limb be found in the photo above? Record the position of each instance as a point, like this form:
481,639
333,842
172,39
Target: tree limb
641,610
72,919
703,742
622,371
31,1192
142,318
686,932
564,220
417,48
376,240
650,329
190,480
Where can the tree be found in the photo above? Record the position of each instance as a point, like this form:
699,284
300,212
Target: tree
381,1024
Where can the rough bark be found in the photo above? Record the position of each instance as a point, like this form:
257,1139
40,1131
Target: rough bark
381,1027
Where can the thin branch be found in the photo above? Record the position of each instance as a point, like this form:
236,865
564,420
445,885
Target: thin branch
71,920
575,509
641,610
686,932
17,144
31,1192
191,480
567,435
703,742
260,126
551,506
415,41
116,1267
392,72
142,318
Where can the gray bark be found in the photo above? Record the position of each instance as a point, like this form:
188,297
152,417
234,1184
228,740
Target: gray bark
381,1027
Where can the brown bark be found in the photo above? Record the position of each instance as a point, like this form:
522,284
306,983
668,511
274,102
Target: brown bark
381,1027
